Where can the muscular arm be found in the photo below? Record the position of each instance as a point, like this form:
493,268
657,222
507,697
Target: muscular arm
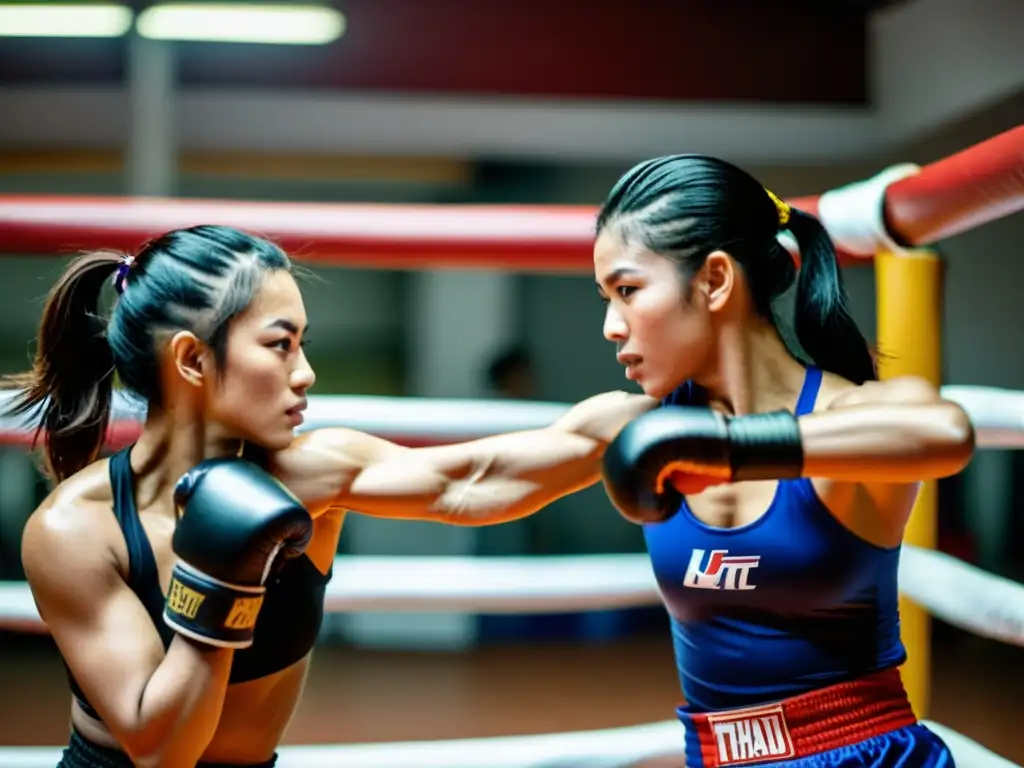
480,482
162,708
897,431
881,439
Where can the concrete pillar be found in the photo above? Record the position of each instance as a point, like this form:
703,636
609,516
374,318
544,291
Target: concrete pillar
456,322
151,151
989,501
17,500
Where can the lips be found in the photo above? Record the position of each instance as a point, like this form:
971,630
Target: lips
631,362
297,409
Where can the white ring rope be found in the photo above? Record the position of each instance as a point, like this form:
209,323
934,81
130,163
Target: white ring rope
997,414
447,584
952,590
963,595
854,215
610,748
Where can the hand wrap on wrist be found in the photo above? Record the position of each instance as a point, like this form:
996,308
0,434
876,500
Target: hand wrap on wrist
765,446
211,611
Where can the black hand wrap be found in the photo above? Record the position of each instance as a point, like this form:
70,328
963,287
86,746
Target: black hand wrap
765,446
211,611
698,442
236,521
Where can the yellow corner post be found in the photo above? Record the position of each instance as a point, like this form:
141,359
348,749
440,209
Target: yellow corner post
909,300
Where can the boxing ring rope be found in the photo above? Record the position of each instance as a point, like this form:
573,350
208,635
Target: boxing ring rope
902,207
960,594
997,414
608,748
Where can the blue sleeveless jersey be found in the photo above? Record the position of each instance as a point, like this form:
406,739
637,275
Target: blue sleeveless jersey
791,603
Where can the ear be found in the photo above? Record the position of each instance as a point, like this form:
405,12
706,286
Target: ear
719,278
187,356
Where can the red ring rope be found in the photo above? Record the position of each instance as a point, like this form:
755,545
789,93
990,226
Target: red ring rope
966,190
954,195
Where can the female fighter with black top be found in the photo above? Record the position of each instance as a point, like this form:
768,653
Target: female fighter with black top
187,640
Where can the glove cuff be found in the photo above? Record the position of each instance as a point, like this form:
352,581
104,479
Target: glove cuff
210,611
765,446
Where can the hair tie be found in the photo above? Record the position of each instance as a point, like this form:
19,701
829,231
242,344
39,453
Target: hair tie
782,207
122,273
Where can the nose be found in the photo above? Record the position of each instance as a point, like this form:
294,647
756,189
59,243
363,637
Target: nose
303,376
615,328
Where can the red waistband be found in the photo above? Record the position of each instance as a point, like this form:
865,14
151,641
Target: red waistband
804,725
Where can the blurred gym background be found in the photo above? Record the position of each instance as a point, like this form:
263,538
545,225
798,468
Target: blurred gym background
495,101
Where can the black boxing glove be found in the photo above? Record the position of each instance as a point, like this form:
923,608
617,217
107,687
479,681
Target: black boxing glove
698,442
235,520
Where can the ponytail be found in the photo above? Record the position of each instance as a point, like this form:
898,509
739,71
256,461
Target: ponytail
72,375
824,326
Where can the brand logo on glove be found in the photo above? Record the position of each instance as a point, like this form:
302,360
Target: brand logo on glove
184,601
752,735
243,613
723,571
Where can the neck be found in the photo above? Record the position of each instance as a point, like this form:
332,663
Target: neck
171,443
752,371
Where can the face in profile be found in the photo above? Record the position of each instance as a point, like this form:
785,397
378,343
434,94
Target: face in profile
260,392
661,334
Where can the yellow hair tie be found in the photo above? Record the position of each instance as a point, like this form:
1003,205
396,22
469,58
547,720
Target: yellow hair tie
782,207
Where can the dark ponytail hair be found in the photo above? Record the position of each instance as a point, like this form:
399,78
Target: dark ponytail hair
685,207
193,279
70,386
826,330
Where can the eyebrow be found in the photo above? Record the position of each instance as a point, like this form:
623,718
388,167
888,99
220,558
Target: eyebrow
617,274
287,325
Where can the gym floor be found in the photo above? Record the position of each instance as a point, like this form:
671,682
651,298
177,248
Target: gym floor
356,695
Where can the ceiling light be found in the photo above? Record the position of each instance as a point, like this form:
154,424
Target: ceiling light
237,23
64,20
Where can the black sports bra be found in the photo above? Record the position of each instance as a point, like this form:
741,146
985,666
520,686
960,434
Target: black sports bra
289,621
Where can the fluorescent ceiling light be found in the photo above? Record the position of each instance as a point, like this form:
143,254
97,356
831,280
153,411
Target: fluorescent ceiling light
293,24
64,20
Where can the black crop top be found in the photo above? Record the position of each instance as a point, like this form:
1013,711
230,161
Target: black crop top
289,621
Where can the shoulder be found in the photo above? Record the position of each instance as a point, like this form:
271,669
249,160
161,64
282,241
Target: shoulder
615,403
602,416
353,448
73,527
837,392
321,462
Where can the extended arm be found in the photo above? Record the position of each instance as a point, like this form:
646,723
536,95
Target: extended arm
480,482
896,432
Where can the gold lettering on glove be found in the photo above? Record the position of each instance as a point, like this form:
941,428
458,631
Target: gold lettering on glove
243,613
184,601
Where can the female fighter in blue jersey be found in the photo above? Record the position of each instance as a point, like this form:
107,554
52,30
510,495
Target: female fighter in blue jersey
773,492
